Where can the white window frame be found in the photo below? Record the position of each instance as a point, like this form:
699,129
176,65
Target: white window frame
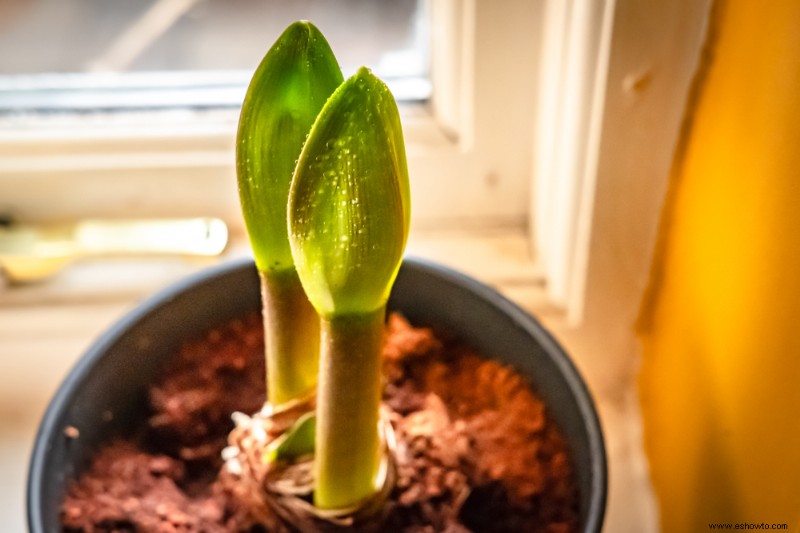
469,153
616,76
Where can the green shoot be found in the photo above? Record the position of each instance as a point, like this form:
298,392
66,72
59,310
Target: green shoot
348,224
297,442
288,89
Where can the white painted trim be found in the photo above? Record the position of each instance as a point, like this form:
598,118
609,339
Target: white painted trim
632,126
574,65
449,60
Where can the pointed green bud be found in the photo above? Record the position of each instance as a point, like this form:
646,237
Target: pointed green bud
287,91
349,201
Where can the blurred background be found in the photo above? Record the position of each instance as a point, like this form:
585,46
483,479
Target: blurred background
626,171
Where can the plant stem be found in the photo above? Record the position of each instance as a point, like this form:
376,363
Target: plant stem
348,400
291,329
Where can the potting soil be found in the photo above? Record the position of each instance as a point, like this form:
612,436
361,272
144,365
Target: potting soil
476,450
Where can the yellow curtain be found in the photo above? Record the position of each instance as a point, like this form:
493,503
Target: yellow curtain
720,378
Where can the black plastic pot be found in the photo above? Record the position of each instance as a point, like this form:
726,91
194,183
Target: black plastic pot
105,391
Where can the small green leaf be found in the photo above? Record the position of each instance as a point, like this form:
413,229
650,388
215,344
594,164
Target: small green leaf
296,442
349,200
288,89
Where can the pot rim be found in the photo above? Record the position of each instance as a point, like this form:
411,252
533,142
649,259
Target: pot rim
70,385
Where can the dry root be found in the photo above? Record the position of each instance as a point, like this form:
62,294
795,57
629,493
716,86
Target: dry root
279,494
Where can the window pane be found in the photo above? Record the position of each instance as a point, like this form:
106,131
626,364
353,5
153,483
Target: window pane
62,47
